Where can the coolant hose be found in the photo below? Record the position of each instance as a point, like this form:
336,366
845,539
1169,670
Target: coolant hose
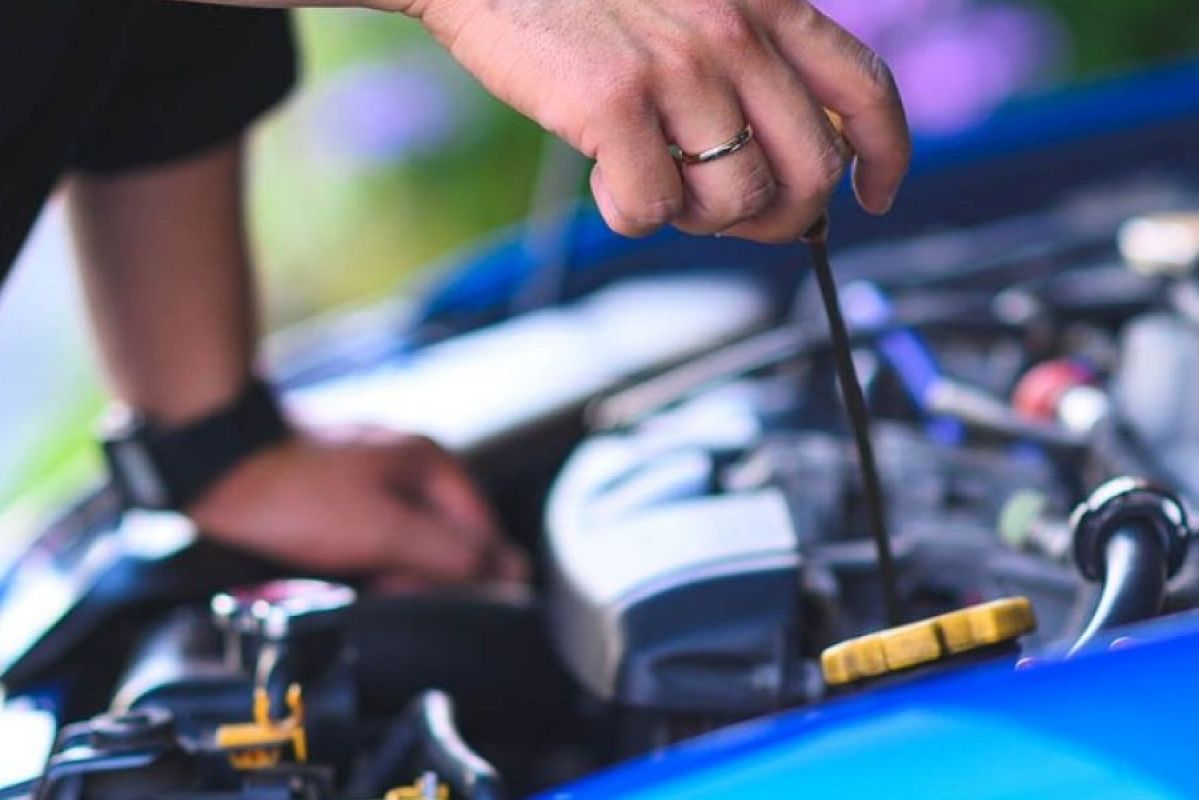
1130,536
1134,582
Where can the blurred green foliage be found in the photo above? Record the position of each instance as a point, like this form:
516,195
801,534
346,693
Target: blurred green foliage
1113,35
327,240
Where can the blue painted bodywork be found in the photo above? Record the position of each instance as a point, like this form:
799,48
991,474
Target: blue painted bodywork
1078,130
1107,725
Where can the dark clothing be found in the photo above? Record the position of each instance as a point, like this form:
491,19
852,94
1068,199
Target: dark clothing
109,85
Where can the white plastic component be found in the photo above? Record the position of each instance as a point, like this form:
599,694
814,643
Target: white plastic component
472,387
1161,244
27,736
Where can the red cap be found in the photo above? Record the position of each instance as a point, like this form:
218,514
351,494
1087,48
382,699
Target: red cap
1038,392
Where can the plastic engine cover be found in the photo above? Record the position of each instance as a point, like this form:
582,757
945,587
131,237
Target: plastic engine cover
665,596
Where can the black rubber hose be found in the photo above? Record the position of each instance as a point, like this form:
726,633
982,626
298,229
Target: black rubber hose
384,768
1134,581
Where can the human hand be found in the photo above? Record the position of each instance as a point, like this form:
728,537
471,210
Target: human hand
394,509
620,80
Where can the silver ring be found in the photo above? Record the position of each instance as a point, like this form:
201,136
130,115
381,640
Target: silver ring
739,140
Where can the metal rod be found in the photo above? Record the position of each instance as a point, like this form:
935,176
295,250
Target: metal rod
859,418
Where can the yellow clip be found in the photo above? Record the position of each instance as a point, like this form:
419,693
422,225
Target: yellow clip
927,641
260,744
426,787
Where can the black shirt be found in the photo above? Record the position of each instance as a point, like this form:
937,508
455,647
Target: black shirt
111,85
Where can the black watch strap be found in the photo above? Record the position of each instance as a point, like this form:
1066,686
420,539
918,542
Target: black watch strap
166,467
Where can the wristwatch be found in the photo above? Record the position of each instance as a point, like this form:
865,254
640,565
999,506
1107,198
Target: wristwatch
156,466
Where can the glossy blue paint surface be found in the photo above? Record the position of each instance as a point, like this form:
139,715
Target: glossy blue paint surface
1119,723
1132,101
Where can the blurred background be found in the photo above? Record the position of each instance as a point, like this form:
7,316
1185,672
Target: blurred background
389,158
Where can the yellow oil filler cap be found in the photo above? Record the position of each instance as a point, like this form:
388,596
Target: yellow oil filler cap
927,641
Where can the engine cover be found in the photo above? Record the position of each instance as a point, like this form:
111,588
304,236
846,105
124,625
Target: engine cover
666,595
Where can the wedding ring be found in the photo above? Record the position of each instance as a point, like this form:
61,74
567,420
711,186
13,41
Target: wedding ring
739,140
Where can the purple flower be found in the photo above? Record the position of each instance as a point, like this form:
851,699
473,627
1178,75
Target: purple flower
873,21
955,60
380,114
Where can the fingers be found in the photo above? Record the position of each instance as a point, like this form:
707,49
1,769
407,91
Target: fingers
397,583
404,582
446,486
635,181
436,496
426,544
804,151
700,113
849,78
776,185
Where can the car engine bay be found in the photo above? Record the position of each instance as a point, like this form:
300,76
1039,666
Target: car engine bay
696,508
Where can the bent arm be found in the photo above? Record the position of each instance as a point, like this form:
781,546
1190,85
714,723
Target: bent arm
167,276
168,281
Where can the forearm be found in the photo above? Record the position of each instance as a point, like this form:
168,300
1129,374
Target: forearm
166,272
167,275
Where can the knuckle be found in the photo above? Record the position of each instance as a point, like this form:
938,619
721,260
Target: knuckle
627,84
729,26
681,62
803,17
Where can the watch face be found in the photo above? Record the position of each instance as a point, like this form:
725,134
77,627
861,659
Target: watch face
133,470
119,422
122,432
